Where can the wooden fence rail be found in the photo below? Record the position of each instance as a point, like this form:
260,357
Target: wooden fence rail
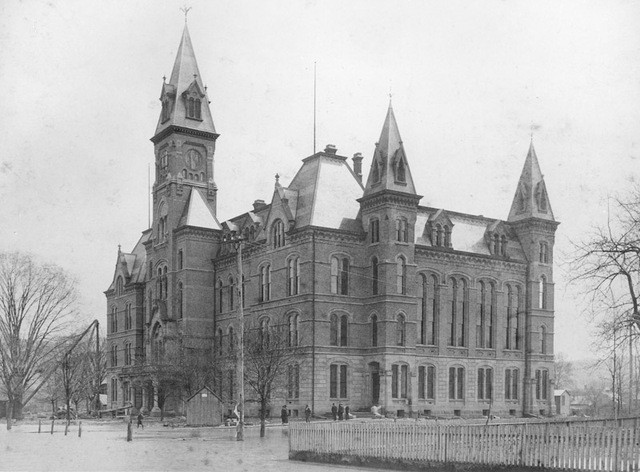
559,446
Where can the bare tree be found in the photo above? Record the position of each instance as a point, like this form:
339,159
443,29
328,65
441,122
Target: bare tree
563,372
267,354
35,302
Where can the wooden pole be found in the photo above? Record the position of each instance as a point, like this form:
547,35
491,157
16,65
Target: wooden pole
39,425
80,429
129,431
52,423
66,427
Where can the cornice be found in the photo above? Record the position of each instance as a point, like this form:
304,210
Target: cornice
181,130
389,196
477,260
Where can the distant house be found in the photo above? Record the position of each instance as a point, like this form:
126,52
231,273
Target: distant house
204,408
581,406
563,402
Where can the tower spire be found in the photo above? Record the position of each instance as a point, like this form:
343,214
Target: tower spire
531,199
389,166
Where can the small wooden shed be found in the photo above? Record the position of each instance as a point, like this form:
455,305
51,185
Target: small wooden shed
204,408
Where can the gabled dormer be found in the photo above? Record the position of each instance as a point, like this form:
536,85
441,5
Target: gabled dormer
167,98
497,238
193,98
440,229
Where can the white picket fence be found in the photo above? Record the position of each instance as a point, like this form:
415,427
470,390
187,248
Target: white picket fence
559,446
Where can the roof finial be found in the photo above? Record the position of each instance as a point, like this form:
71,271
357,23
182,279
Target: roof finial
185,9
390,93
277,178
531,131
164,78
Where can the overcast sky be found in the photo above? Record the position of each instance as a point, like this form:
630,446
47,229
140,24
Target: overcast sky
80,82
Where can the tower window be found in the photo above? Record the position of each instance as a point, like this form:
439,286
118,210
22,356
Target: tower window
277,234
401,230
401,171
194,106
293,276
401,330
265,283
374,275
374,330
339,326
374,230
340,275
401,275
428,307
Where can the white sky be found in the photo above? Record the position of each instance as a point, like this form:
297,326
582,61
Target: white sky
80,81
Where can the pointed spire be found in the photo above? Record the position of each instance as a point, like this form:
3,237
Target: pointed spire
184,83
531,199
389,167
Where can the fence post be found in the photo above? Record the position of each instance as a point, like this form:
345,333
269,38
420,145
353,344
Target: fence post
129,431
80,429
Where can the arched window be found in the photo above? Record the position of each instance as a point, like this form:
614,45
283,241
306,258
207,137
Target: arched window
447,236
401,330
544,252
542,293
439,235
456,383
509,334
198,105
340,275
127,317
220,338
374,275
543,340
496,244
265,283
231,293
427,382
542,384
114,319
401,275
180,260
430,308
458,297
511,384
375,172
277,234
517,321
339,330
162,222
402,230
180,300
481,316
485,383
293,276
374,330
191,108
119,285
293,330
264,333
232,340
400,171
220,296
374,230
114,355
503,245
399,380
127,354
338,381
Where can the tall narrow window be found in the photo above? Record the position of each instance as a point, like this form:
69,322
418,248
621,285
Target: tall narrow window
333,381
401,275
544,253
400,171
491,314
343,381
293,276
277,234
180,300
338,381
453,306
119,286
293,381
543,340
264,333
374,330
542,293
114,319
220,338
481,316
231,293
422,310
456,383
344,323
496,244
293,330
220,296
395,375
517,326
447,236
265,283
431,310
374,230
431,383
542,384
401,330
198,106
340,275
485,383
439,235
114,355
511,384
503,245
374,275
401,230
232,340
461,319
509,321
127,317
333,330
180,259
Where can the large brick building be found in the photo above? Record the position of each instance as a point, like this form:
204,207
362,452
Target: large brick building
392,303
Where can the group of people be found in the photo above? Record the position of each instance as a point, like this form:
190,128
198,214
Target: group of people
284,414
341,412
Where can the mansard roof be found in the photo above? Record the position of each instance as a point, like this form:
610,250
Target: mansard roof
468,234
132,264
185,78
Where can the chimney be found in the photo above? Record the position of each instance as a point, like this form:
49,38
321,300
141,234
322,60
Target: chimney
258,204
330,149
357,165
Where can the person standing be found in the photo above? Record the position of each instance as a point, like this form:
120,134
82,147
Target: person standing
334,412
284,414
340,412
307,413
140,420
346,412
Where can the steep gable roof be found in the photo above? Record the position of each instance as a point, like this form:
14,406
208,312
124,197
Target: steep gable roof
198,212
531,199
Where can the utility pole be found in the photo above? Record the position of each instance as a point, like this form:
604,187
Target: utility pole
237,241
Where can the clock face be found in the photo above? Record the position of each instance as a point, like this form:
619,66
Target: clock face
193,159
